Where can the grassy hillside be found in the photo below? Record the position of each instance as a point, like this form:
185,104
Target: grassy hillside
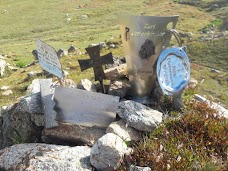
61,23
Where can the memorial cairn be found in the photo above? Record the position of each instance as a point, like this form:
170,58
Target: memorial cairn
103,119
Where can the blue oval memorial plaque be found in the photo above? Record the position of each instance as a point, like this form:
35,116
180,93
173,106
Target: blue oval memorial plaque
173,70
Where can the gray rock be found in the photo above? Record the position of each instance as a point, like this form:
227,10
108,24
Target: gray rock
70,134
84,17
32,103
117,62
116,72
44,157
71,49
125,132
18,127
35,54
7,93
108,152
62,52
87,85
137,168
2,67
139,116
118,88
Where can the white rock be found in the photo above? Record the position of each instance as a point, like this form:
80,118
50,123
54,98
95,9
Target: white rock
5,88
124,131
44,157
137,168
34,87
2,67
192,83
108,152
221,110
139,116
7,93
87,85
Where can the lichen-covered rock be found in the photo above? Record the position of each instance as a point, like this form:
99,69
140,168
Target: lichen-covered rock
44,157
139,116
108,152
124,131
19,126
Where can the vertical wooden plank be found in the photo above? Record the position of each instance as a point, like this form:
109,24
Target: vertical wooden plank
48,103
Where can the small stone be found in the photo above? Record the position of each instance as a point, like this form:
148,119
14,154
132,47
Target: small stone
62,52
215,71
108,152
71,49
84,17
112,46
35,54
137,168
7,93
116,72
12,68
192,83
139,116
125,132
87,85
31,74
5,88
2,67
66,73
118,88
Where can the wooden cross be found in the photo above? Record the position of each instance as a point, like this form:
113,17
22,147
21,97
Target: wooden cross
96,61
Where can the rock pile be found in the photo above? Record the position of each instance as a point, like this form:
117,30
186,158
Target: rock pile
104,148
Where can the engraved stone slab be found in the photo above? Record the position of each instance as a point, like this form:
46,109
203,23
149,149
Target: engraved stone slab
173,70
85,108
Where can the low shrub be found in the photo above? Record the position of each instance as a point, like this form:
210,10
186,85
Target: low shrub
195,141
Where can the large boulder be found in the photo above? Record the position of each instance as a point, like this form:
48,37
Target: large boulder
139,116
124,131
70,134
44,157
20,126
108,152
